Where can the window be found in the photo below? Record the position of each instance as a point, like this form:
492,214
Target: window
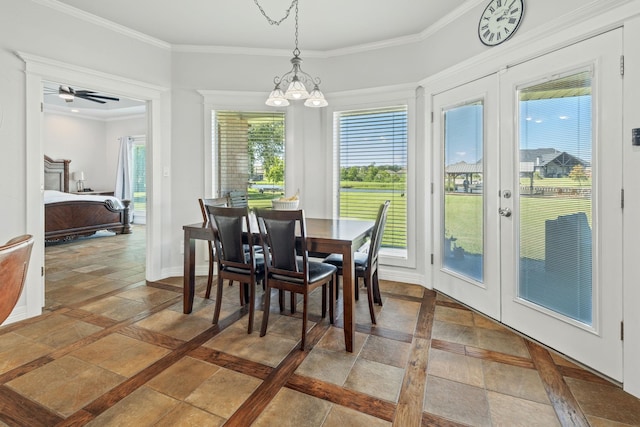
249,154
139,184
371,153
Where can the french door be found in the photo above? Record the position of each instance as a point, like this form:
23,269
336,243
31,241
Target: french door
561,263
466,165
550,226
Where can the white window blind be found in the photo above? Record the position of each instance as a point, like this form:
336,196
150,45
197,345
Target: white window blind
371,151
249,151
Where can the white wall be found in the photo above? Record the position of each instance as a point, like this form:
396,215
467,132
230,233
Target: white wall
26,26
91,144
79,140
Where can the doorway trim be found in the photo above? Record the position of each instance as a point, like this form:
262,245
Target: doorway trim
39,69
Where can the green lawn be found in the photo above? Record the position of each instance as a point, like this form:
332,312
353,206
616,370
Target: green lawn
463,214
463,220
395,234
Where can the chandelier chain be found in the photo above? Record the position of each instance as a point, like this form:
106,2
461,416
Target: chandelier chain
296,51
278,22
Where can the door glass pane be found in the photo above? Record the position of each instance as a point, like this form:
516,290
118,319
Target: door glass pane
555,195
462,239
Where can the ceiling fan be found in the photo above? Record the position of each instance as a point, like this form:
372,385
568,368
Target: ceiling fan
69,94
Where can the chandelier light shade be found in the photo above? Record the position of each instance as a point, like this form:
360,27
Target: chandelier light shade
316,99
295,80
277,98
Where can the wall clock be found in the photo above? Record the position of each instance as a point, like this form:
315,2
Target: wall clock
499,21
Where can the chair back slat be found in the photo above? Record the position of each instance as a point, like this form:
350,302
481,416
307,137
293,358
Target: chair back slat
278,233
378,231
238,199
229,225
217,201
229,229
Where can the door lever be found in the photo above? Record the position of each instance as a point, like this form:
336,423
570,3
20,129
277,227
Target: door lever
506,212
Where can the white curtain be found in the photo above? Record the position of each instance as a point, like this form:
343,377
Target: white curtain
124,173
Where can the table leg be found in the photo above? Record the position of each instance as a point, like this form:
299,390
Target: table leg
189,284
348,295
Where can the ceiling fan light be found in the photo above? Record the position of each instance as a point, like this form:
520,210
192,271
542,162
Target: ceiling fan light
296,90
67,96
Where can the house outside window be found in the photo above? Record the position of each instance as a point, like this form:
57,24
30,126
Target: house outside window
249,151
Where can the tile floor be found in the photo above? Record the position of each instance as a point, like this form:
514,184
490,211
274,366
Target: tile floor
113,350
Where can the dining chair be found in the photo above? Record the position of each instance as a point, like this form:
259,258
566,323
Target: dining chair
229,226
14,262
288,271
218,201
238,199
366,263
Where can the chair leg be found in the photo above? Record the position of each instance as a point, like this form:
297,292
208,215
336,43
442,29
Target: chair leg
332,298
293,302
210,278
368,283
305,301
356,290
216,313
266,309
324,300
376,287
281,300
241,292
247,292
252,300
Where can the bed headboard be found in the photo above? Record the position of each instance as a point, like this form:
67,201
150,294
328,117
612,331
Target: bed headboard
56,174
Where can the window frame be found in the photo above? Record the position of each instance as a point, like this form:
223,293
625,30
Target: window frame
240,101
369,100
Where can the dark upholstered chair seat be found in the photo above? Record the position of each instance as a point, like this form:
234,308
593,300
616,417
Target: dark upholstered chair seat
259,270
317,272
359,259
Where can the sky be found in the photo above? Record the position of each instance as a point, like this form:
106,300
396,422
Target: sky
560,123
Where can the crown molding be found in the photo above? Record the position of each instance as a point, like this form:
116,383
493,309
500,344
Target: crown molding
105,23
231,50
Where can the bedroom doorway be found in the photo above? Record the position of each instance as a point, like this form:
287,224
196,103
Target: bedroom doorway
85,127
39,70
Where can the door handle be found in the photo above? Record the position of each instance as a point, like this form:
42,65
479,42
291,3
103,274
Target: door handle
506,212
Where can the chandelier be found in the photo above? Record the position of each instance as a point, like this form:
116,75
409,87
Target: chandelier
295,80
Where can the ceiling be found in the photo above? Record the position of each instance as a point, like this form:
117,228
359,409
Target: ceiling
325,26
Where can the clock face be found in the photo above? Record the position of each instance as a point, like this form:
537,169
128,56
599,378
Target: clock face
500,20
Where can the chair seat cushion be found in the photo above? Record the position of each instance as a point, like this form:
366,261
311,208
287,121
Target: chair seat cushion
259,266
359,259
317,271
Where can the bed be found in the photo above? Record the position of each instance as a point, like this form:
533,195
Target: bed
68,216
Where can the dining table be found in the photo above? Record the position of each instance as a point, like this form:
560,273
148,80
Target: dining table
324,236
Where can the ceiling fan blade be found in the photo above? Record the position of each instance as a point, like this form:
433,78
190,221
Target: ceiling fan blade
88,96
91,99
